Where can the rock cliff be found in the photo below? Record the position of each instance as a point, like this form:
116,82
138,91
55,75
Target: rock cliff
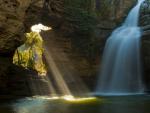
84,24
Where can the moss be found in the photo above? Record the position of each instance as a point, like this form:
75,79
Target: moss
29,55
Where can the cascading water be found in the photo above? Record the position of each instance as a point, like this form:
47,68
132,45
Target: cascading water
121,67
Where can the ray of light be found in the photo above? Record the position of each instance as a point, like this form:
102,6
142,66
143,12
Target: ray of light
56,73
61,66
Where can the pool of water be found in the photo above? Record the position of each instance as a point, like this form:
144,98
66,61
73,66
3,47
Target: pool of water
115,104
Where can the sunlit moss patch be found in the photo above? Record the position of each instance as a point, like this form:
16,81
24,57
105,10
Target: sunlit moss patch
29,55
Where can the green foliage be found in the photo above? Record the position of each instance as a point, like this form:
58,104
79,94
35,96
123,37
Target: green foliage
29,55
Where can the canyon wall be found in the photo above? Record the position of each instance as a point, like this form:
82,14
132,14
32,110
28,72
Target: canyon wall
83,24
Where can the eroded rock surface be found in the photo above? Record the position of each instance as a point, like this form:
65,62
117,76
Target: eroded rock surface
12,13
145,23
16,17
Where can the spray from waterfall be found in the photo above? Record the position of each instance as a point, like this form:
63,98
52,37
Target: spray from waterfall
121,72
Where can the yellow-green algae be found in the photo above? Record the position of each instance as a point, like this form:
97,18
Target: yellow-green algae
29,55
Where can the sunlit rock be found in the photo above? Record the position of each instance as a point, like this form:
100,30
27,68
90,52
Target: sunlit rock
29,55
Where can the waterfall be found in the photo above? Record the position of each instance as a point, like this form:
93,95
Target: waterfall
121,67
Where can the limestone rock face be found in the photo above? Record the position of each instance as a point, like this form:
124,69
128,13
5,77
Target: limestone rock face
33,14
12,14
113,9
145,23
14,18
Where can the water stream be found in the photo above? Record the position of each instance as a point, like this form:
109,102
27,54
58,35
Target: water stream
121,72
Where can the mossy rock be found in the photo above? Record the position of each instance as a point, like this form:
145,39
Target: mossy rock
29,55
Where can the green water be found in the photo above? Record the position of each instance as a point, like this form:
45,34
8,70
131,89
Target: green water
127,104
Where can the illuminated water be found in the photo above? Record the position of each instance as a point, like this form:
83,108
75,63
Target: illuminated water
126,104
121,68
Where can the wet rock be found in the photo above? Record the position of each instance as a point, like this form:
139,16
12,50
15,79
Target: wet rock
145,23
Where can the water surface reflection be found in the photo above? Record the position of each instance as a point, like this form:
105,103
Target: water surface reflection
127,104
